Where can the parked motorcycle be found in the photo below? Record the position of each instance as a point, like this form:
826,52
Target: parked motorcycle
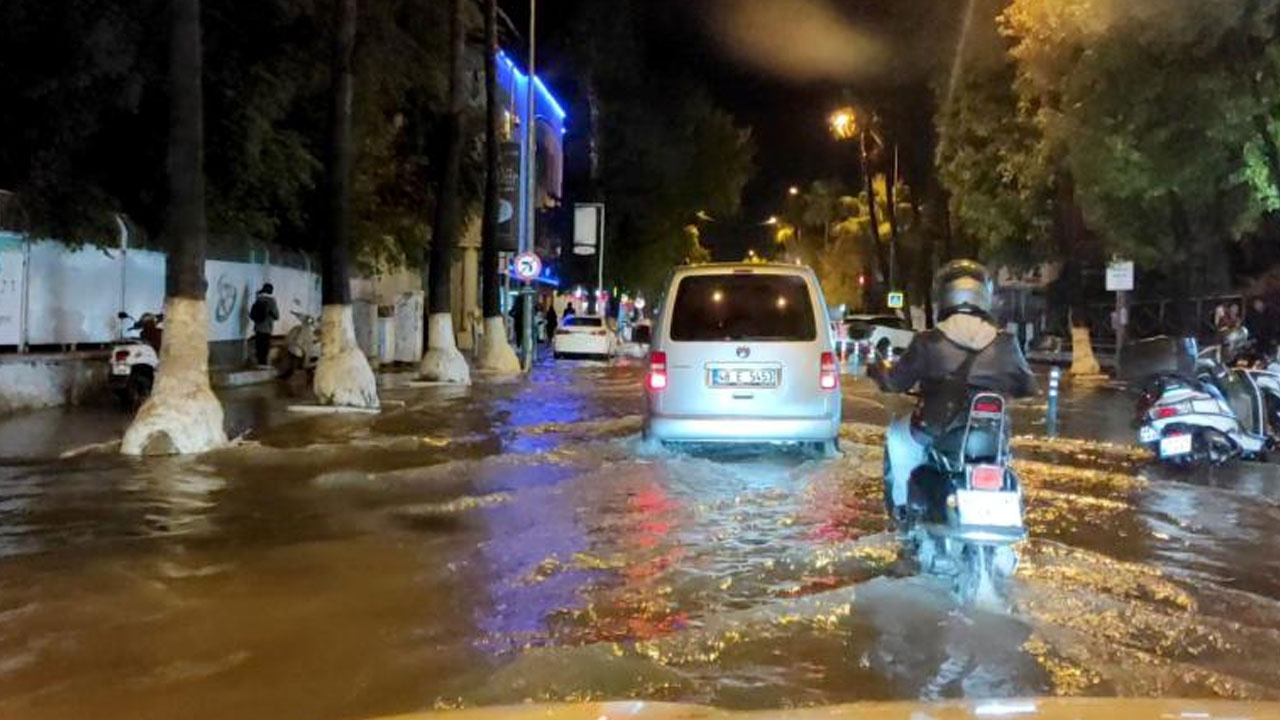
134,359
965,503
301,346
1210,415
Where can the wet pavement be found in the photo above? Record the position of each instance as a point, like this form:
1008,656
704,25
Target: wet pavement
516,541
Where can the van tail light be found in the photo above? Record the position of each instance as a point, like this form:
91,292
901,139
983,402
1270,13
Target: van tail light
828,372
599,333
657,379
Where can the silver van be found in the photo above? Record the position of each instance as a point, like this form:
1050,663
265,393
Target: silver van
743,353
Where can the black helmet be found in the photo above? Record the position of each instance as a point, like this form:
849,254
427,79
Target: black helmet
962,286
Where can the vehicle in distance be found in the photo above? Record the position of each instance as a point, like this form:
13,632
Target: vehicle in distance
865,334
583,336
743,353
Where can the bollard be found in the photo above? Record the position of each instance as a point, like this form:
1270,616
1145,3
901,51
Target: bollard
1051,410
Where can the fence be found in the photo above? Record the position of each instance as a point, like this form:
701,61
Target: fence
52,295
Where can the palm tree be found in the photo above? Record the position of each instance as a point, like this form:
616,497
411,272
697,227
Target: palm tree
442,361
343,376
182,415
495,353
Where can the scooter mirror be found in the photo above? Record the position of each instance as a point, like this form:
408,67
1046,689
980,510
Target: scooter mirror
122,315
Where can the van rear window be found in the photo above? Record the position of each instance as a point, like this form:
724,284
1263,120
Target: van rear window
731,308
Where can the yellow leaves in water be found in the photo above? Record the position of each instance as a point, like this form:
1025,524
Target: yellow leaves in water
1067,678
455,506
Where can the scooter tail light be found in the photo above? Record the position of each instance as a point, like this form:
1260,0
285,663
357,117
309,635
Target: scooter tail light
1166,412
122,355
828,371
988,405
657,379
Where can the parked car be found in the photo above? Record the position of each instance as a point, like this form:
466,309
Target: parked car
883,334
583,336
743,353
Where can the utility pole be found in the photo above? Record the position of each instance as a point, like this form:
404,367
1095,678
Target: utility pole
531,186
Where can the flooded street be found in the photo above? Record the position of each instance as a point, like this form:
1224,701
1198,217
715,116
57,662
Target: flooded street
517,540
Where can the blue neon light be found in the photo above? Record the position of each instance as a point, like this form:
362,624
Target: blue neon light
547,97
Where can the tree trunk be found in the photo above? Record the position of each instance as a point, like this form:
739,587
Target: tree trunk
873,215
1180,226
343,375
182,415
495,352
443,362
924,263
1069,223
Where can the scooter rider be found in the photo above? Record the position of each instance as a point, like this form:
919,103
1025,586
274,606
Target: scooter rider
965,351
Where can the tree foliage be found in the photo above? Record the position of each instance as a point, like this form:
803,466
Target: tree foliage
666,150
1159,116
85,101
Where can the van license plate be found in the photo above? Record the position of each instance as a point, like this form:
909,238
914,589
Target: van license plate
741,377
1175,445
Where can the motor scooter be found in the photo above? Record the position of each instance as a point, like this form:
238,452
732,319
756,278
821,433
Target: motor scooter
134,359
1212,415
301,346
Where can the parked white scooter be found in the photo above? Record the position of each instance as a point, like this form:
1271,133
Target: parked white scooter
1217,413
134,359
301,346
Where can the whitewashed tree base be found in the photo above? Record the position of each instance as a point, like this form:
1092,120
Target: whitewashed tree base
343,375
443,362
1083,361
496,354
182,416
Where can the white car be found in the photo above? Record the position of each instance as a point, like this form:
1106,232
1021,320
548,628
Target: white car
867,334
583,336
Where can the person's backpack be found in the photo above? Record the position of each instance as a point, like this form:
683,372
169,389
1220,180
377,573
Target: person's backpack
258,312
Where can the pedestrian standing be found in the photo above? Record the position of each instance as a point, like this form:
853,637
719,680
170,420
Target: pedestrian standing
551,321
264,315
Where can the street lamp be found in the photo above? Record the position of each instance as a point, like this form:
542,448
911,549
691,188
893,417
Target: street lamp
793,191
844,123
773,220
844,126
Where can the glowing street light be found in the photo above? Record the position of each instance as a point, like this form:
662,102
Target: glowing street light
773,220
844,123
793,191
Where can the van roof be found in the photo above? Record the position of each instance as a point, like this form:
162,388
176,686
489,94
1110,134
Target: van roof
712,268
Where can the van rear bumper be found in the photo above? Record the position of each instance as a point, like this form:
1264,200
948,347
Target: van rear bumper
710,429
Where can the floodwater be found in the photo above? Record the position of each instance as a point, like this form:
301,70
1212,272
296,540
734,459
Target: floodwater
517,541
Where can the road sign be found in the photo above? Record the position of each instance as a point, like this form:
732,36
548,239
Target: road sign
588,227
896,300
528,266
1120,276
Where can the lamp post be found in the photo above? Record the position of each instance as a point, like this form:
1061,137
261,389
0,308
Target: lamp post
531,187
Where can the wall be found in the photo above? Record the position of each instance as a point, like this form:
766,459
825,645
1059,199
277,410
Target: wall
51,295
38,381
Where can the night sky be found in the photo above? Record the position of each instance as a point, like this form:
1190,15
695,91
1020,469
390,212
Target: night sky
780,67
